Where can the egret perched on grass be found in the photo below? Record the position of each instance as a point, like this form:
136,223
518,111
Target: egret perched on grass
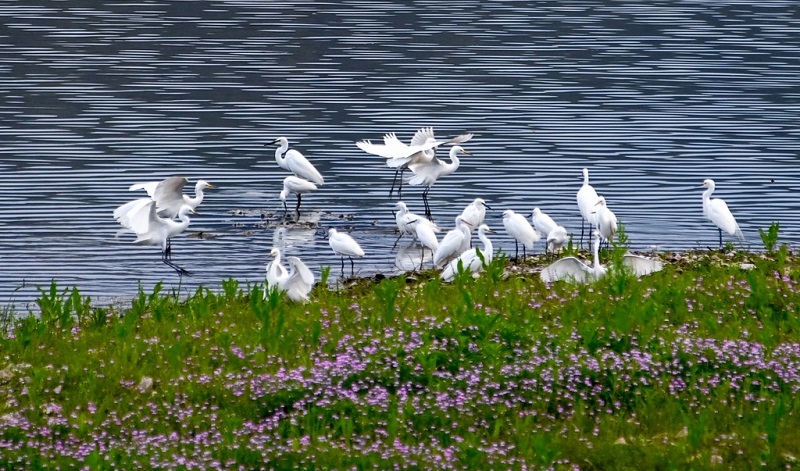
556,239
403,217
345,246
605,219
454,243
298,186
427,173
152,229
716,210
469,260
296,282
295,162
475,212
518,227
399,155
587,199
570,268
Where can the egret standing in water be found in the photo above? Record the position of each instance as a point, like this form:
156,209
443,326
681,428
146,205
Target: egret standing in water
345,246
404,217
296,282
399,155
295,162
427,173
716,210
152,229
298,186
169,197
469,260
426,236
518,227
454,243
587,199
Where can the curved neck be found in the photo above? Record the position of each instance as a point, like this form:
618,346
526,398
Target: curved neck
198,197
487,244
707,193
596,266
281,150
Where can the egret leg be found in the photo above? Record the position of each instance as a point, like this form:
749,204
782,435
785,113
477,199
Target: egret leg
398,240
400,186
720,238
342,266
297,209
516,251
168,250
352,267
175,267
524,255
580,244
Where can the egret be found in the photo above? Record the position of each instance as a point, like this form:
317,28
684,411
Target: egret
345,246
542,222
298,186
403,218
716,210
570,268
168,195
556,239
605,219
475,212
295,162
426,236
427,173
587,199
469,260
454,243
400,155
296,282
152,229
518,227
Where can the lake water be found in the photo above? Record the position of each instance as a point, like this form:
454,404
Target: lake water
651,96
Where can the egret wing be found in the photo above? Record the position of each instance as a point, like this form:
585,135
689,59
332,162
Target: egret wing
168,196
567,268
641,266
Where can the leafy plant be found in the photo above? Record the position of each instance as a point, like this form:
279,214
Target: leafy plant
770,237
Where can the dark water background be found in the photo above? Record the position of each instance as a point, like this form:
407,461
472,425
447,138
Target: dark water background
651,96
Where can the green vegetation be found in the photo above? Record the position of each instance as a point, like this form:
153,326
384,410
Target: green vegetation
694,367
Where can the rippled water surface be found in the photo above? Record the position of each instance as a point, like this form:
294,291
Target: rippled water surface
651,96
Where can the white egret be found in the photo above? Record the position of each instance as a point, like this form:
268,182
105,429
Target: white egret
403,218
427,173
168,195
454,243
296,282
518,227
295,162
469,260
587,199
475,212
400,155
570,268
605,219
716,210
152,229
345,246
542,222
426,236
556,239
298,186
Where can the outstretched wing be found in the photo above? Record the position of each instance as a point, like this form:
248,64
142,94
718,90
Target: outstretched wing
641,266
567,268
168,196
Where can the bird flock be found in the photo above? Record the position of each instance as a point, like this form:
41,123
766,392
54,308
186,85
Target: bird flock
165,213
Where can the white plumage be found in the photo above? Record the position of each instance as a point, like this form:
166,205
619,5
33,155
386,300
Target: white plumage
427,173
606,220
542,222
454,243
469,260
168,195
344,246
716,210
587,199
518,227
475,212
298,186
556,239
296,282
295,162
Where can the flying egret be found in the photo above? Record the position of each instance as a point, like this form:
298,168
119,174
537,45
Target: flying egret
427,173
296,282
400,155
570,268
605,219
152,229
298,186
426,236
168,194
518,227
295,162
556,239
587,199
469,260
454,243
345,246
716,210
475,212
403,218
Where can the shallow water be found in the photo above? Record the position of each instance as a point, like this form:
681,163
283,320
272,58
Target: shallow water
652,97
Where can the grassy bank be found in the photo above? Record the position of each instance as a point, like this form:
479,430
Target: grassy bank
694,367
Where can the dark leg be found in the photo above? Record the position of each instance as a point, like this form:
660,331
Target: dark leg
342,266
400,188
297,209
175,267
720,238
398,240
352,267
168,251
516,251
524,255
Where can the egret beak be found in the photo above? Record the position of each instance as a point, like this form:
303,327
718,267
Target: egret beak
464,151
487,206
273,142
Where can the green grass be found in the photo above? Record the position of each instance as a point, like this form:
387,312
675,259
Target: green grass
694,367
